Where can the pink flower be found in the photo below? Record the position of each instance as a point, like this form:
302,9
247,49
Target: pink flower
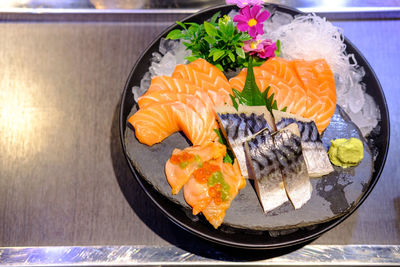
251,20
243,3
263,48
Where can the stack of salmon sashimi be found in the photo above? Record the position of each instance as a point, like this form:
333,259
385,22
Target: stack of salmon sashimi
184,102
305,88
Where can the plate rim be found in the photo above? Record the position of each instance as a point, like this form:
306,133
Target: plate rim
146,186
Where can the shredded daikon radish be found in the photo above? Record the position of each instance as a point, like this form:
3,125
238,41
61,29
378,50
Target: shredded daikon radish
311,37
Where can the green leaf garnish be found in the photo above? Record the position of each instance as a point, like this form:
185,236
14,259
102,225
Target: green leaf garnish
210,29
214,17
181,24
278,48
217,41
229,154
175,34
235,104
251,94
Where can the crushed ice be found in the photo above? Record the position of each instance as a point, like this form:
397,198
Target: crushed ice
171,53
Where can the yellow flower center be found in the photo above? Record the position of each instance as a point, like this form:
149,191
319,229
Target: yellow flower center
253,45
252,22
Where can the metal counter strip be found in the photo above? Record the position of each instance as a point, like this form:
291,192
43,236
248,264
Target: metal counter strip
361,255
338,13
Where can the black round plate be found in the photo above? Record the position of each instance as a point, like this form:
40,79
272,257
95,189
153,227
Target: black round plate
248,238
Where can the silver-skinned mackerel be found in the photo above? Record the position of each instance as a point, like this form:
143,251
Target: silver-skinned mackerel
314,152
293,167
265,168
237,125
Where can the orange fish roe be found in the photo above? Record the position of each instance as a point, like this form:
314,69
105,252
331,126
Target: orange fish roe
203,173
215,193
182,157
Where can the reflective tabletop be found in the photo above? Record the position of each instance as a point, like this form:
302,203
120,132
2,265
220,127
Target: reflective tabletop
67,196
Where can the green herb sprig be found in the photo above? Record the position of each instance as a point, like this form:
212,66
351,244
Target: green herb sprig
220,43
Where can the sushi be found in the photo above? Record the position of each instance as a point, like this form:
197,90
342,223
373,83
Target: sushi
314,152
236,125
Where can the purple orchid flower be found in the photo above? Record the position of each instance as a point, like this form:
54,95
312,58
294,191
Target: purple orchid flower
243,3
251,20
263,48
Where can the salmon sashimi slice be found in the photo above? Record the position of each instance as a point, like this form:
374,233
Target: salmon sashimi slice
196,192
318,79
215,212
292,97
158,121
306,88
182,163
200,102
207,78
167,83
283,69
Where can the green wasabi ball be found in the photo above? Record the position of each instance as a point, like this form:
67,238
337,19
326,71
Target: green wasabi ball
346,152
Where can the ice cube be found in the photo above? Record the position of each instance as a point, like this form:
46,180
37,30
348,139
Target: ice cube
355,98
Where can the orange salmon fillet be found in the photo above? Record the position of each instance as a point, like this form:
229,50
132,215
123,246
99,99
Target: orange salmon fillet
317,78
215,213
158,121
172,84
292,97
177,176
202,74
306,88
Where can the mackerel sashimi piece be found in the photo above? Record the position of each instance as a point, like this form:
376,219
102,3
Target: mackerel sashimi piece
294,170
237,125
182,163
266,170
314,152
156,122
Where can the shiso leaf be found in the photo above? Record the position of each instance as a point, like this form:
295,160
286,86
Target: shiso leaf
229,154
